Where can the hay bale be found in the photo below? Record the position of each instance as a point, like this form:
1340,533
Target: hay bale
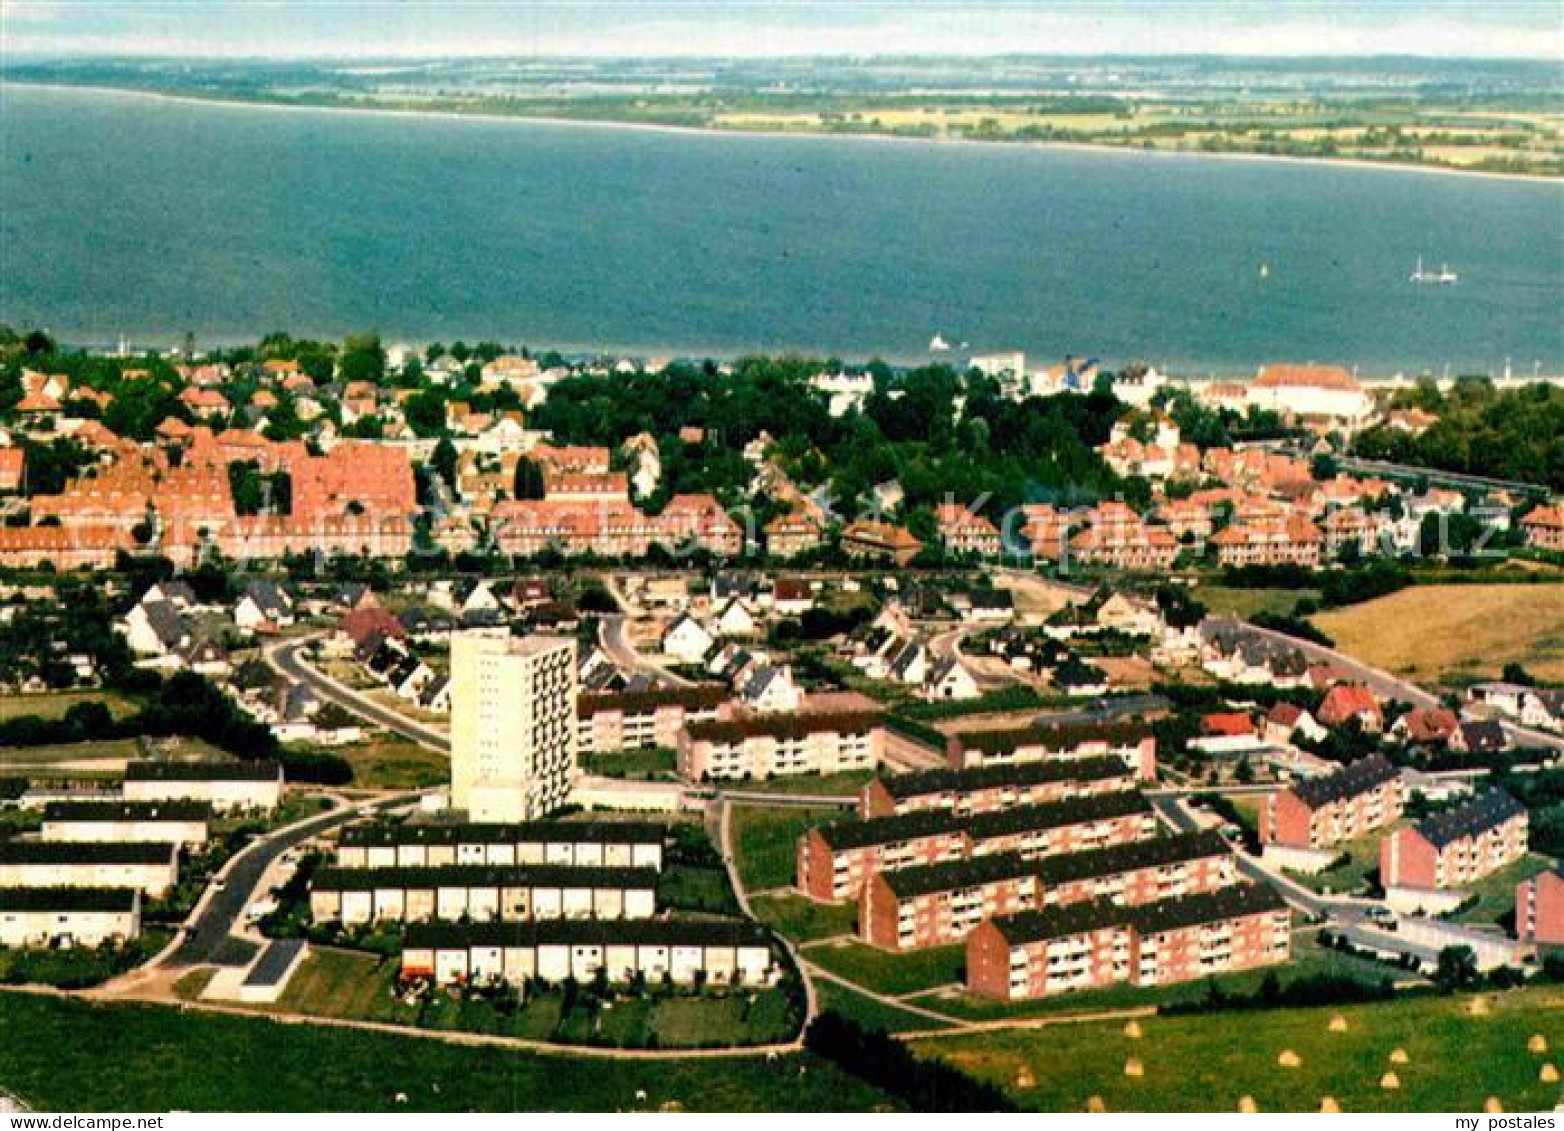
1133,1067
1492,1106
1096,1106
1479,1007
1132,1031
1549,1074
1399,1056
1390,1081
1329,1106
1538,1043
1338,1023
1024,1077
1247,1106
1289,1059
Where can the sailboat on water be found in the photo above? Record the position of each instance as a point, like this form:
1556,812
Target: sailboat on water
1443,277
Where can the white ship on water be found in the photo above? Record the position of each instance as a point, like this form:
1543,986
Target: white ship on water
938,344
1443,277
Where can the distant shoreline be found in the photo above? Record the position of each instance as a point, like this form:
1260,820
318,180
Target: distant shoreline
728,131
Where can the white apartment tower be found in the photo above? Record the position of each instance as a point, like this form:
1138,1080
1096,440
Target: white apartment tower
513,725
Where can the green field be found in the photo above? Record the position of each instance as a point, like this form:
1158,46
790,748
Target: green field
1496,893
1223,601
78,967
848,783
1455,1061
388,761
691,888
765,843
889,973
637,764
66,1055
54,704
107,749
869,1013
803,919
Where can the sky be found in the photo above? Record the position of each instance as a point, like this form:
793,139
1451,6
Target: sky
427,28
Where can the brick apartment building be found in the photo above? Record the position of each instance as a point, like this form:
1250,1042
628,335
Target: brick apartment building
1039,954
998,786
1324,811
941,904
611,722
1539,909
836,860
771,745
1456,847
1132,741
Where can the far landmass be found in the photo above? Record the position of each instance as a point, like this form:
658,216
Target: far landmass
1470,115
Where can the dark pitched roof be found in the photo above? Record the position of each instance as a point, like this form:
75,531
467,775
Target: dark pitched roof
700,696
68,899
784,725
127,811
203,771
1056,736
484,875
926,782
1349,781
983,826
1240,900
1470,819
588,932
530,832
85,852
1131,857
957,874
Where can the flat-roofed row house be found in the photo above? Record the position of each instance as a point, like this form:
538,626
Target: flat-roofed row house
595,844
510,893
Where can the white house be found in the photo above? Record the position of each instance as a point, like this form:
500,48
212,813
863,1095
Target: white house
687,640
735,619
950,679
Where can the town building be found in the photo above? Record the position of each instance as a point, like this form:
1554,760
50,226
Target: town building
1302,824
681,951
999,786
836,860
578,844
1038,954
611,722
176,822
880,541
513,725
481,892
228,787
1133,742
1544,528
1539,909
1421,865
756,745
150,867
68,916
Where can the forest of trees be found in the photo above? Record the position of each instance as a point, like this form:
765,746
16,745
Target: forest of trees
1482,430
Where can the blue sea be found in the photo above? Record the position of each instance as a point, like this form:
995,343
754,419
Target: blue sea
148,218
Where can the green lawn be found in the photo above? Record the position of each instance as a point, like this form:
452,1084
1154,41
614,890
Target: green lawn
869,1013
691,888
1352,876
889,973
388,761
765,842
78,967
1209,1062
803,919
1496,893
120,749
848,783
654,763
68,1055
1220,600
54,704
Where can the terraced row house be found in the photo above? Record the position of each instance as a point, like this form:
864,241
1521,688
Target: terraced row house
509,893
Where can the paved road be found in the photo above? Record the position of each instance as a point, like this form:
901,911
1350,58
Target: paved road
615,640
208,934
286,658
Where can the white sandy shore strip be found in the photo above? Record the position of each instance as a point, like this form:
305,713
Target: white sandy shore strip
724,131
